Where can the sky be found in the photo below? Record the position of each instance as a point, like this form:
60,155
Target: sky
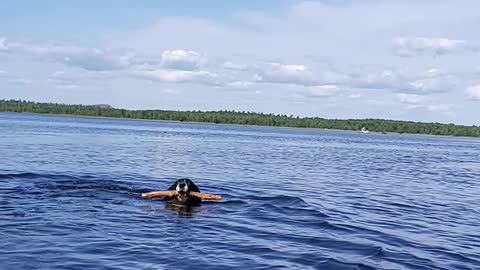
415,60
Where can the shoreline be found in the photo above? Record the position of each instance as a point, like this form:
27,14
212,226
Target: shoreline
239,125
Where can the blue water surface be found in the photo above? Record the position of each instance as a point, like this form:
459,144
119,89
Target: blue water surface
292,198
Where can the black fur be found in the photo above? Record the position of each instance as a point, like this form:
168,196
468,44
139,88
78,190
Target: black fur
190,200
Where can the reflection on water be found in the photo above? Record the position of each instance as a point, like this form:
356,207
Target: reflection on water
183,210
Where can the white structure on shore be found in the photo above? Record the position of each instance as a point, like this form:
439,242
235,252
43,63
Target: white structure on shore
364,130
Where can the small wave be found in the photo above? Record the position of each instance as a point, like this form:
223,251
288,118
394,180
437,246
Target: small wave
64,184
26,175
79,185
291,208
337,264
228,202
296,211
280,200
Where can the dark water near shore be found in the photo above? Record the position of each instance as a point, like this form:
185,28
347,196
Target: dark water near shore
293,198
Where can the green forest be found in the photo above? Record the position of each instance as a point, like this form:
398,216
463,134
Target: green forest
243,118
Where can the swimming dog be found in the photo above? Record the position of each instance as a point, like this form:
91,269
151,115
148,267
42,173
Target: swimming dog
183,187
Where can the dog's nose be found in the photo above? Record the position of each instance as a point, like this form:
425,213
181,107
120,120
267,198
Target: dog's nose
181,185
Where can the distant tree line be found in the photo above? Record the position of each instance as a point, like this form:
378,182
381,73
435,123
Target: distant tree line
243,118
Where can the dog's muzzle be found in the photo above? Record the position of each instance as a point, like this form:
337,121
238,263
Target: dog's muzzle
182,189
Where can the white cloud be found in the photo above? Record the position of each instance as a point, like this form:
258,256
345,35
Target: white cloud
58,73
86,58
397,80
282,73
354,96
3,45
176,66
408,47
376,79
423,103
321,91
473,92
240,84
233,66
178,76
182,60
72,78
60,79
171,91
433,81
409,98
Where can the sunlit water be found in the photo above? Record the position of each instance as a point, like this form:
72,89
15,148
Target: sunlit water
292,198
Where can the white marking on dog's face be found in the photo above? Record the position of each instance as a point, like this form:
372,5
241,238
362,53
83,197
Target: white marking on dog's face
182,186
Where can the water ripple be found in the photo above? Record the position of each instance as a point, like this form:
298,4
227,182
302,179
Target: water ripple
292,198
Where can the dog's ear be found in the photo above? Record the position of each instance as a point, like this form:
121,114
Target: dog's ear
192,186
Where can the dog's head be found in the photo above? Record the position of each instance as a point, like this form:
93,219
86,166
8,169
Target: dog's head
184,186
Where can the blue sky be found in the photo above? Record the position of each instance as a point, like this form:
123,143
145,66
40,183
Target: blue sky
407,60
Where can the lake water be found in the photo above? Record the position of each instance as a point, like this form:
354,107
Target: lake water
292,198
